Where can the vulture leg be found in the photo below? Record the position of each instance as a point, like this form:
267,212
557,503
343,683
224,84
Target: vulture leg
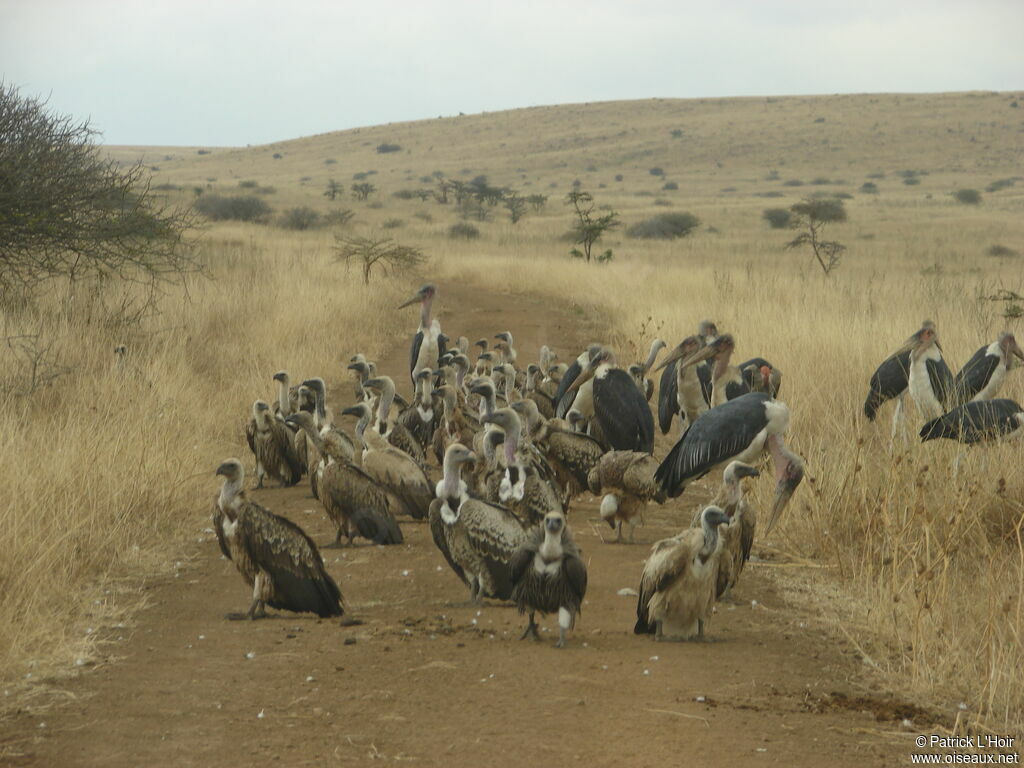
531,629
260,472
632,532
564,622
658,634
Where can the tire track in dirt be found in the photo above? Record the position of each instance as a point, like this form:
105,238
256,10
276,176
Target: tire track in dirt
431,679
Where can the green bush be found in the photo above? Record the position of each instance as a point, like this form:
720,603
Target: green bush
778,218
1002,251
869,188
232,207
392,224
664,226
384,149
670,186
300,218
463,230
793,183
911,181
967,196
248,184
656,171
999,184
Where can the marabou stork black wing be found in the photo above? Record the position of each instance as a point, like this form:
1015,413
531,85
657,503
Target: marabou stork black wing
715,436
282,549
668,397
734,389
975,374
571,374
414,355
888,381
942,381
974,422
623,413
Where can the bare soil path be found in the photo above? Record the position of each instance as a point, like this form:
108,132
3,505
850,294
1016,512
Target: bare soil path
430,679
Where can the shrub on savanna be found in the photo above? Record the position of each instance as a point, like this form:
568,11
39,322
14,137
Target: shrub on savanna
386,148
869,188
670,186
300,218
232,207
967,196
664,226
463,230
777,218
394,223
1002,251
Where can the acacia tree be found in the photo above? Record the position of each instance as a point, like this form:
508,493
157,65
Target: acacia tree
368,252
812,216
515,205
68,212
334,188
587,229
363,190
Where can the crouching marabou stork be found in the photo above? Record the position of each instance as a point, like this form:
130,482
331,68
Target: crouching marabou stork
626,421
978,421
740,430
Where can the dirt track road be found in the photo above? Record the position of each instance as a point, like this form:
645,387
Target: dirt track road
433,680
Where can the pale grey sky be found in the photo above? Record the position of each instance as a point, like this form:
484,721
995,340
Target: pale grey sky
214,72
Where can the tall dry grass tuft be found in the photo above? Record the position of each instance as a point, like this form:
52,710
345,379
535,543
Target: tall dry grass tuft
924,564
108,468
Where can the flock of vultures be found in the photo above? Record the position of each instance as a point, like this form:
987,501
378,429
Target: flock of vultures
514,446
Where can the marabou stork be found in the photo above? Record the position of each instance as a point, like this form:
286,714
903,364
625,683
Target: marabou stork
621,411
978,421
741,430
890,379
929,381
983,375
563,396
426,344
682,390
639,371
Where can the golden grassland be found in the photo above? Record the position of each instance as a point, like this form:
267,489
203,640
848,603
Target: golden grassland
921,569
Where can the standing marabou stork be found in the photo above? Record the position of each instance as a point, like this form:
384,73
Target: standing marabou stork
891,378
741,430
626,422
564,397
983,375
682,389
426,344
929,381
639,371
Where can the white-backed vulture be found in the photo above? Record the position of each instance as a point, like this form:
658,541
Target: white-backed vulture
549,576
677,587
738,535
274,446
388,426
545,403
276,558
571,455
524,485
626,478
352,499
477,539
393,469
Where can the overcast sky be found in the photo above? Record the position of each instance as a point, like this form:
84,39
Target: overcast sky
256,71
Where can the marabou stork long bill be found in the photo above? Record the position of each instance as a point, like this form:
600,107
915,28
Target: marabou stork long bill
620,409
738,430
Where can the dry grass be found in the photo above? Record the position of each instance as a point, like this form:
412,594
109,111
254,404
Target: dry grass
111,469
927,568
